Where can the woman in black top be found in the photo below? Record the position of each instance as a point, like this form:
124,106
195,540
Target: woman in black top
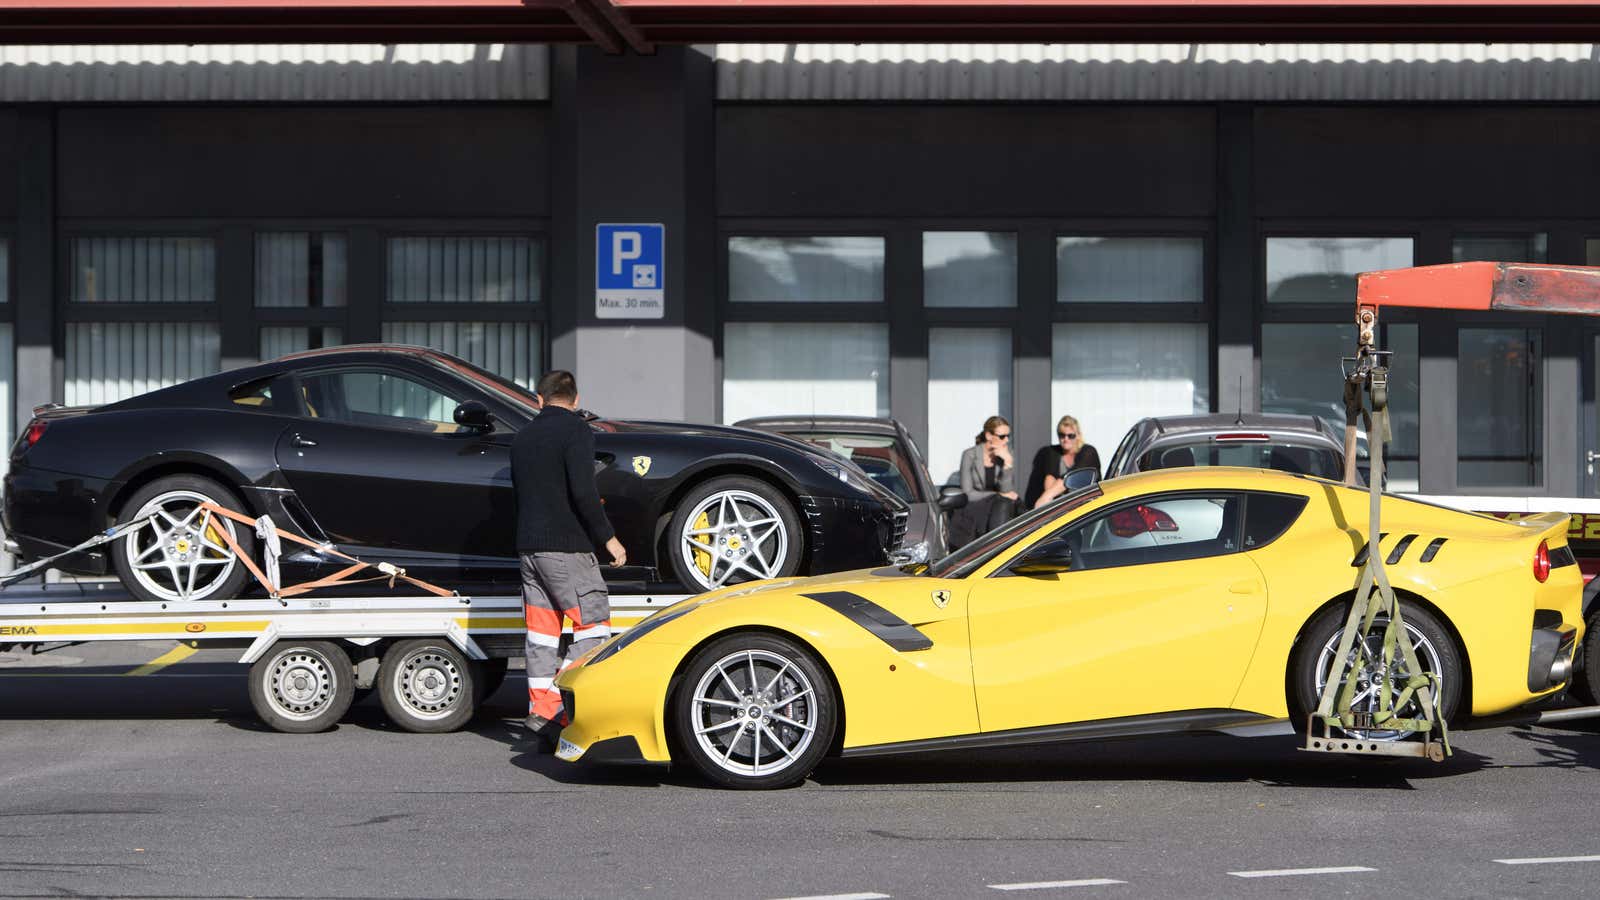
1050,465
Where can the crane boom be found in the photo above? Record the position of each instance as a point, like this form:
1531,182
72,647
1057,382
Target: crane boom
1507,287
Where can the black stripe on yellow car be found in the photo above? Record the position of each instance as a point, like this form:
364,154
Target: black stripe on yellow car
1124,726
885,625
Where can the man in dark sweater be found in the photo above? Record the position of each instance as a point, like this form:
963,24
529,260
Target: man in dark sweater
559,523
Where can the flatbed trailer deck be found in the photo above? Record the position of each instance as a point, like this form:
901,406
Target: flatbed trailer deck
432,660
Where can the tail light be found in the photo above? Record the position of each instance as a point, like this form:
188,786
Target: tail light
35,431
1541,562
1126,523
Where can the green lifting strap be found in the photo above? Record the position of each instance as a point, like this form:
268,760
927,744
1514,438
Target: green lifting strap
1374,599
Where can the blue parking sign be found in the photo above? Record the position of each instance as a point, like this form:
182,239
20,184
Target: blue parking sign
629,271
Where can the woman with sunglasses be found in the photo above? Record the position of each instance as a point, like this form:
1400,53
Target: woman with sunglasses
989,475
1047,481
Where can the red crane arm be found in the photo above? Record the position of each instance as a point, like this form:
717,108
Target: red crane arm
1511,287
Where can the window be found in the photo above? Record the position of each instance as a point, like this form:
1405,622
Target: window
1267,516
1109,376
509,349
281,340
110,361
969,380
1130,270
969,268
1301,375
1591,251
1499,412
879,456
257,395
464,269
143,270
1299,458
805,269
1155,530
1525,248
379,399
785,368
300,269
1324,269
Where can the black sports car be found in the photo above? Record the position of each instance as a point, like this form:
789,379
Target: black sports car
402,454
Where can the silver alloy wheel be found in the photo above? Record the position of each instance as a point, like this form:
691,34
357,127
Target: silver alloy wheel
174,556
300,685
1368,679
742,533
754,713
429,683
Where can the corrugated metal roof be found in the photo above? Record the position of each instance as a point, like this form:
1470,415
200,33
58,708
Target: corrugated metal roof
282,72
1158,72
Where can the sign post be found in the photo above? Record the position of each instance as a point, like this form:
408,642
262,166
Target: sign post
629,271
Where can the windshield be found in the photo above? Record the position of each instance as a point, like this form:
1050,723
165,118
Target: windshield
1298,459
965,561
509,390
879,456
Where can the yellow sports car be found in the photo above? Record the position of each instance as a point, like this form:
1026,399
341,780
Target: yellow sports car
1201,599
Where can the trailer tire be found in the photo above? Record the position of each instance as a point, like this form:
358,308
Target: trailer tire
302,687
427,686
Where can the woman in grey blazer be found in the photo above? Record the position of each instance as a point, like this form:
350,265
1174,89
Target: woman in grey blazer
989,476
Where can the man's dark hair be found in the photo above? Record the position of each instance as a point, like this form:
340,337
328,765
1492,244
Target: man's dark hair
558,385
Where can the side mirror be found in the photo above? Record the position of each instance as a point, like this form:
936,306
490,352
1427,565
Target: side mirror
951,497
1081,477
474,415
1049,558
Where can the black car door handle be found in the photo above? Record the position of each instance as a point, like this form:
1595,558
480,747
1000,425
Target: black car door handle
299,441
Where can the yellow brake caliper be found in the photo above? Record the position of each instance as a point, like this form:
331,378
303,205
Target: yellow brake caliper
702,559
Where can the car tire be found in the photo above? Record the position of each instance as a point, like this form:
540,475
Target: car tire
302,687
1586,684
715,698
736,547
1436,650
154,562
427,686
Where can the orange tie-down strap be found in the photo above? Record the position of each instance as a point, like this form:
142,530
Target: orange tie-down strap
390,572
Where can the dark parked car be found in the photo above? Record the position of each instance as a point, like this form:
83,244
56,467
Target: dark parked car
885,451
1306,445
402,454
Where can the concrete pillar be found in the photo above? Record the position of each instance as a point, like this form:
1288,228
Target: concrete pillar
638,134
1238,264
39,372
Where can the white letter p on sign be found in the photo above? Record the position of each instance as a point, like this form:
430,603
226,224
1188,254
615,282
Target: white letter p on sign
632,241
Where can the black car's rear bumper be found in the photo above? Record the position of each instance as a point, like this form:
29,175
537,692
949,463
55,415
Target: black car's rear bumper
48,512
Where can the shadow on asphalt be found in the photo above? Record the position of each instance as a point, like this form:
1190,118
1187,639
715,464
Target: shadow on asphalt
1561,746
1275,762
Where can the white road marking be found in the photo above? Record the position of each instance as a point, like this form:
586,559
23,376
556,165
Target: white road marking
1541,860
864,896
1046,885
1279,873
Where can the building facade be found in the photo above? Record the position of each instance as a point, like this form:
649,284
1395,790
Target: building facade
939,233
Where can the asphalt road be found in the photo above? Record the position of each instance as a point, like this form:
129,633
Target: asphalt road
163,785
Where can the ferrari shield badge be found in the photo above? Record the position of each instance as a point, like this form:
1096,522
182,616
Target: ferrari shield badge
641,465
941,599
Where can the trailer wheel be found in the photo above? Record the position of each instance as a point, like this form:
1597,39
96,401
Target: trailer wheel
301,687
427,686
